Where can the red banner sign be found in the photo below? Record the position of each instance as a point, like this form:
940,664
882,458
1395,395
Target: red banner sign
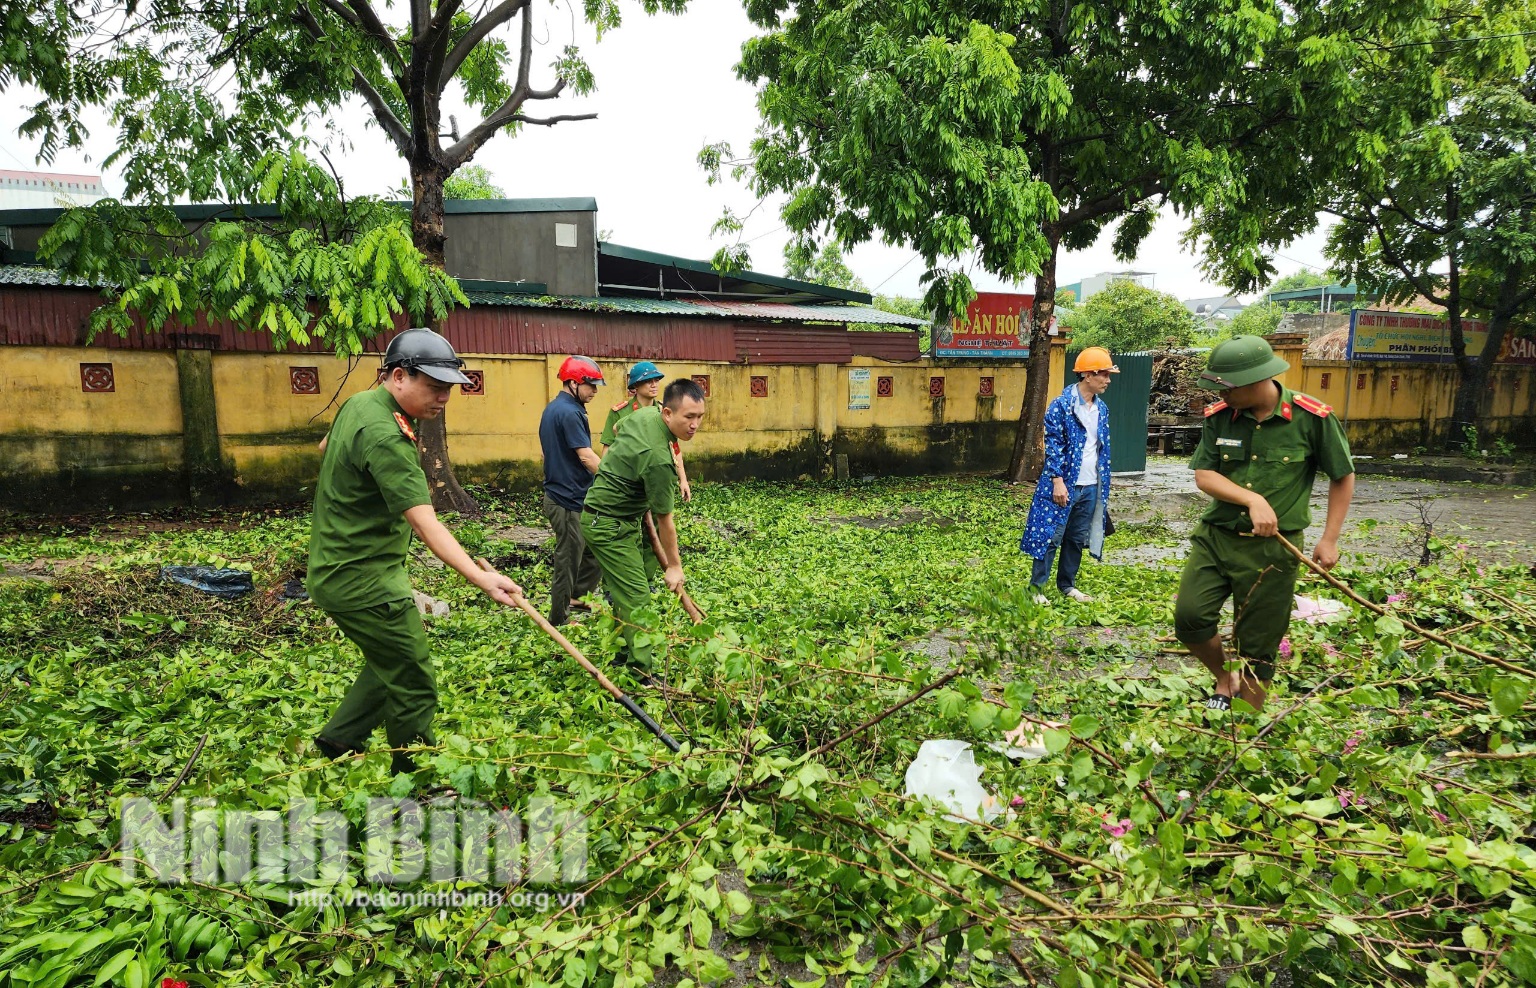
995,325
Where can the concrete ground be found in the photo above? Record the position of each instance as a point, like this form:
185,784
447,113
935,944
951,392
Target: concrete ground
1496,524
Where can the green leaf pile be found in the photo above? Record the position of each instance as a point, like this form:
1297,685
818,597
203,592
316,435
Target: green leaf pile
1372,826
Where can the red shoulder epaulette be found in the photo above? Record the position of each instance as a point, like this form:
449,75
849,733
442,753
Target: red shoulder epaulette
621,405
1312,405
405,427
1215,407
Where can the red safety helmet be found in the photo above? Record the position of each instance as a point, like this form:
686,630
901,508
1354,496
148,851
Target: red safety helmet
582,370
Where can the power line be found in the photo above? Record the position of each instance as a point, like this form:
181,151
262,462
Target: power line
896,272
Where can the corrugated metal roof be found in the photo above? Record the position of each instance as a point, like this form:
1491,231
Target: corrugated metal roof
26,274
781,311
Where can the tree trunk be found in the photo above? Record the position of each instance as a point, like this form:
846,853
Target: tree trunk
427,233
1472,386
1029,444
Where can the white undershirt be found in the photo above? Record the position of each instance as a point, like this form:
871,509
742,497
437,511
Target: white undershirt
1089,472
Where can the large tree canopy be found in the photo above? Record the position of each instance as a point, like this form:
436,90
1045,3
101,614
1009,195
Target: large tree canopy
1434,181
975,129
1128,317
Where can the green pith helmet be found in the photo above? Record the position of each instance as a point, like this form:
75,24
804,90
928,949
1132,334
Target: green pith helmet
1239,361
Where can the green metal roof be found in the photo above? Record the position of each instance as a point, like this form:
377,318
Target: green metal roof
767,310
705,267
1315,292
208,210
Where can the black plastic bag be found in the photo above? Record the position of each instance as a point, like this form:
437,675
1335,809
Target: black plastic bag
219,582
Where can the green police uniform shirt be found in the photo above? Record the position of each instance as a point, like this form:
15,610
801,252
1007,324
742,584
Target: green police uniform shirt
616,415
370,475
637,474
1277,458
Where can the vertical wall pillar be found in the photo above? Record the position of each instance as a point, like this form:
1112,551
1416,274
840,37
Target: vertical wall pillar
1058,375
202,459
828,379
1290,347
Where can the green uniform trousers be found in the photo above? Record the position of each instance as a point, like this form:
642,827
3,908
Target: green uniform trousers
1259,575
629,567
575,568
396,685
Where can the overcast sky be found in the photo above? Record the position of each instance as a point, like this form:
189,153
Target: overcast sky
666,87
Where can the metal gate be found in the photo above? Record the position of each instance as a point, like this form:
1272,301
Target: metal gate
1127,400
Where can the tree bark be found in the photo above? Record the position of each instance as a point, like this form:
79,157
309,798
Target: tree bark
427,180
1472,386
1029,443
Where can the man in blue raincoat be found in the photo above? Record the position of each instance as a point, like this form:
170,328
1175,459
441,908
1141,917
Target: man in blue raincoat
1072,498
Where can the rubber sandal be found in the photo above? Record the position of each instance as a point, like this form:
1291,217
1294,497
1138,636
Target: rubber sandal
1218,702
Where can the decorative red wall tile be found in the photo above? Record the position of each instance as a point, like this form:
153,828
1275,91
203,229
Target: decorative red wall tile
702,380
1359,382
1394,384
304,380
935,387
986,388
1326,378
885,387
97,378
759,386
476,385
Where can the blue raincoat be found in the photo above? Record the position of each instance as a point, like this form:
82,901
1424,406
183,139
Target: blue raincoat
1065,437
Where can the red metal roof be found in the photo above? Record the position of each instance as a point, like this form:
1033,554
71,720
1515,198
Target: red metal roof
59,316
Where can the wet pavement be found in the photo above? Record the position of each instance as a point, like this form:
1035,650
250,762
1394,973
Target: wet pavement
1495,524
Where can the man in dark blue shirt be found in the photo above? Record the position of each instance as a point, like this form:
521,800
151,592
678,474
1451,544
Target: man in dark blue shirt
569,465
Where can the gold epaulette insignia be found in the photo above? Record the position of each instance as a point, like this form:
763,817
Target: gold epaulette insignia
1312,405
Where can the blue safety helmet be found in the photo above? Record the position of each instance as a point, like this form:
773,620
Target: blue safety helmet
642,372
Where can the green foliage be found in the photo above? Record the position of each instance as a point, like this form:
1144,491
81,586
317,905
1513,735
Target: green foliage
1303,278
1127,317
803,262
472,182
1258,319
314,265
1433,178
1342,837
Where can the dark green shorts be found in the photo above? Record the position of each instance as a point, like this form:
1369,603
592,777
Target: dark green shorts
1258,574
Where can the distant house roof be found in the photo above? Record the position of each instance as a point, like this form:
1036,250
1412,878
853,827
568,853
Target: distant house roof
630,271
1213,304
210,210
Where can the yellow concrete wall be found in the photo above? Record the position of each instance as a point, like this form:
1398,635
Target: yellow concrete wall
40,390
1419,408
116,448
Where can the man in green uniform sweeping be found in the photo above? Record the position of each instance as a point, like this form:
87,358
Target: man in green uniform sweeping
1261,447
371,495
638,475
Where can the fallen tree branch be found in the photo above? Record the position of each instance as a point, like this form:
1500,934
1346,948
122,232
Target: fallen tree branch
1377,608
882,715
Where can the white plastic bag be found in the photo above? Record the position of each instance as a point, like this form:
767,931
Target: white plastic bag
1320,610
946,772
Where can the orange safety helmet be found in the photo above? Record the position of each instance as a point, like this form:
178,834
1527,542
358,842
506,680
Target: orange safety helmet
1094,358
